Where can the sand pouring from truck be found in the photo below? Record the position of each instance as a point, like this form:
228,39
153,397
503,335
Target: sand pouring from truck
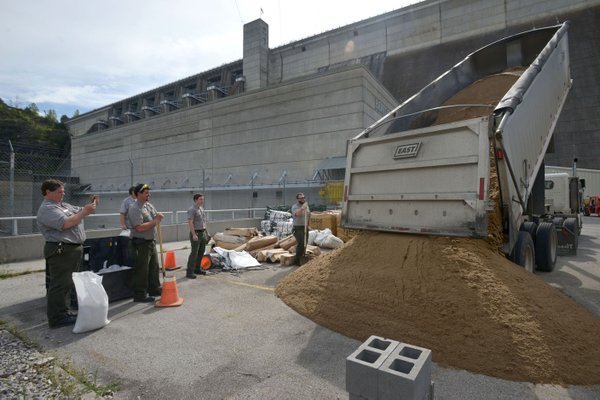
468,146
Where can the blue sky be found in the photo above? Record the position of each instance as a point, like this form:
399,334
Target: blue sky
69,55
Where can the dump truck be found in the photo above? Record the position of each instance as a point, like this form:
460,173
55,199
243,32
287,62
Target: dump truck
449,161
564,201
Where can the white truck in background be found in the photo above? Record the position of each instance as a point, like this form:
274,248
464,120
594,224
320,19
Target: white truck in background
405,175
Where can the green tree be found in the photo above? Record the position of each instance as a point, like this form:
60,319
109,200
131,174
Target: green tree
33,108
75,114
51,116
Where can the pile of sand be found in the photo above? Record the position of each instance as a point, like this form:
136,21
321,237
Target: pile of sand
472,307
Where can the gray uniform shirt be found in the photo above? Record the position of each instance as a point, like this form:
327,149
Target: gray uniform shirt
51,217
127,202
196,214
299,221
139,214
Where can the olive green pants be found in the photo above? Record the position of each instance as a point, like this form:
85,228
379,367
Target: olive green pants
300,236
61,261
198,246
145,274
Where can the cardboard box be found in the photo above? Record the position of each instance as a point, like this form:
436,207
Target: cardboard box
323,220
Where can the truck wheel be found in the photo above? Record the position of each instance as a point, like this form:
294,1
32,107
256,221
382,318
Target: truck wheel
545,247
571,232
531,227
558,221
524,251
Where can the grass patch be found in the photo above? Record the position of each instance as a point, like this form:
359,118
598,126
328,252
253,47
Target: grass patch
20,335
70,380
90,381
7,274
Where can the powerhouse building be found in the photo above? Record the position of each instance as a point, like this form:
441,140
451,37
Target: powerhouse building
255,131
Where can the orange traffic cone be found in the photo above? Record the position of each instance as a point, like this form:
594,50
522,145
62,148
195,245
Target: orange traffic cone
206,262
170,296
170,263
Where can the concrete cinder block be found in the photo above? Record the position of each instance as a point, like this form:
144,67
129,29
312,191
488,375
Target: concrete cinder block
405,374
362,366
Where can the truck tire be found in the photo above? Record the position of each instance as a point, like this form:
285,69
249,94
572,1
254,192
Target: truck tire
546,247
531,227
524,251
571,232
558,221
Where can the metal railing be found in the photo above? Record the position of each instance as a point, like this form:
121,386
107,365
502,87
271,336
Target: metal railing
111,221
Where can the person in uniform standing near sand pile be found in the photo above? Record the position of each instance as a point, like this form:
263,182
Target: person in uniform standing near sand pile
197,224
143,218
301,216
61,225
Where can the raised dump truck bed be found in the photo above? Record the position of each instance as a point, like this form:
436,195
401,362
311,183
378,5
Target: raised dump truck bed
426,167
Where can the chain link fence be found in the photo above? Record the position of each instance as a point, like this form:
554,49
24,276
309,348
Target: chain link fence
21,176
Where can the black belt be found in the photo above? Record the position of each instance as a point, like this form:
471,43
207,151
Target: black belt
134,239
65,243
200,230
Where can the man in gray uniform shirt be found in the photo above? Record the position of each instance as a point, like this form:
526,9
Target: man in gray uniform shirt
301,215
197,225
61,225
143,218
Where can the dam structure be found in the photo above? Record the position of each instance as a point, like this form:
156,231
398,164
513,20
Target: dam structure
254,132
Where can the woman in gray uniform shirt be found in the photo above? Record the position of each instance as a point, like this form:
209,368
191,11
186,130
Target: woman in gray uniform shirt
61,225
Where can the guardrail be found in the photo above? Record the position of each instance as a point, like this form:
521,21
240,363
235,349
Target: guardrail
111,221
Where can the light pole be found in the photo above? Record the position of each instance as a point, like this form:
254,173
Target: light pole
11,193
203,180
131,170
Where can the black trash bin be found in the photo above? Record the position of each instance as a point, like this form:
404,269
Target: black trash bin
104,252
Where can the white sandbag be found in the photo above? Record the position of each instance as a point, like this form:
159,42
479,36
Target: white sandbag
312,236
237,259
285,228
321,235
332,242
92,300
275,215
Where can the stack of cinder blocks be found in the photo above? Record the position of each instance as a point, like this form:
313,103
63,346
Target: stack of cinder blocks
382,369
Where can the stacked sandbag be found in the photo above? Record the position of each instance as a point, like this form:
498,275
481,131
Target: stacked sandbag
277,223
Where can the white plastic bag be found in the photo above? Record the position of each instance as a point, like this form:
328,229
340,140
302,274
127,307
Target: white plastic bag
312,235
321,235
92,300
332,242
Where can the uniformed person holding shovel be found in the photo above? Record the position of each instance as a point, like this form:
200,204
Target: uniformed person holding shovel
301,216
143,219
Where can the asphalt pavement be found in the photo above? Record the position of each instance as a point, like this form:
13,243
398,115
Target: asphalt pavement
232,338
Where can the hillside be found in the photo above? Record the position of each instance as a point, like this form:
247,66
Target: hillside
31,133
